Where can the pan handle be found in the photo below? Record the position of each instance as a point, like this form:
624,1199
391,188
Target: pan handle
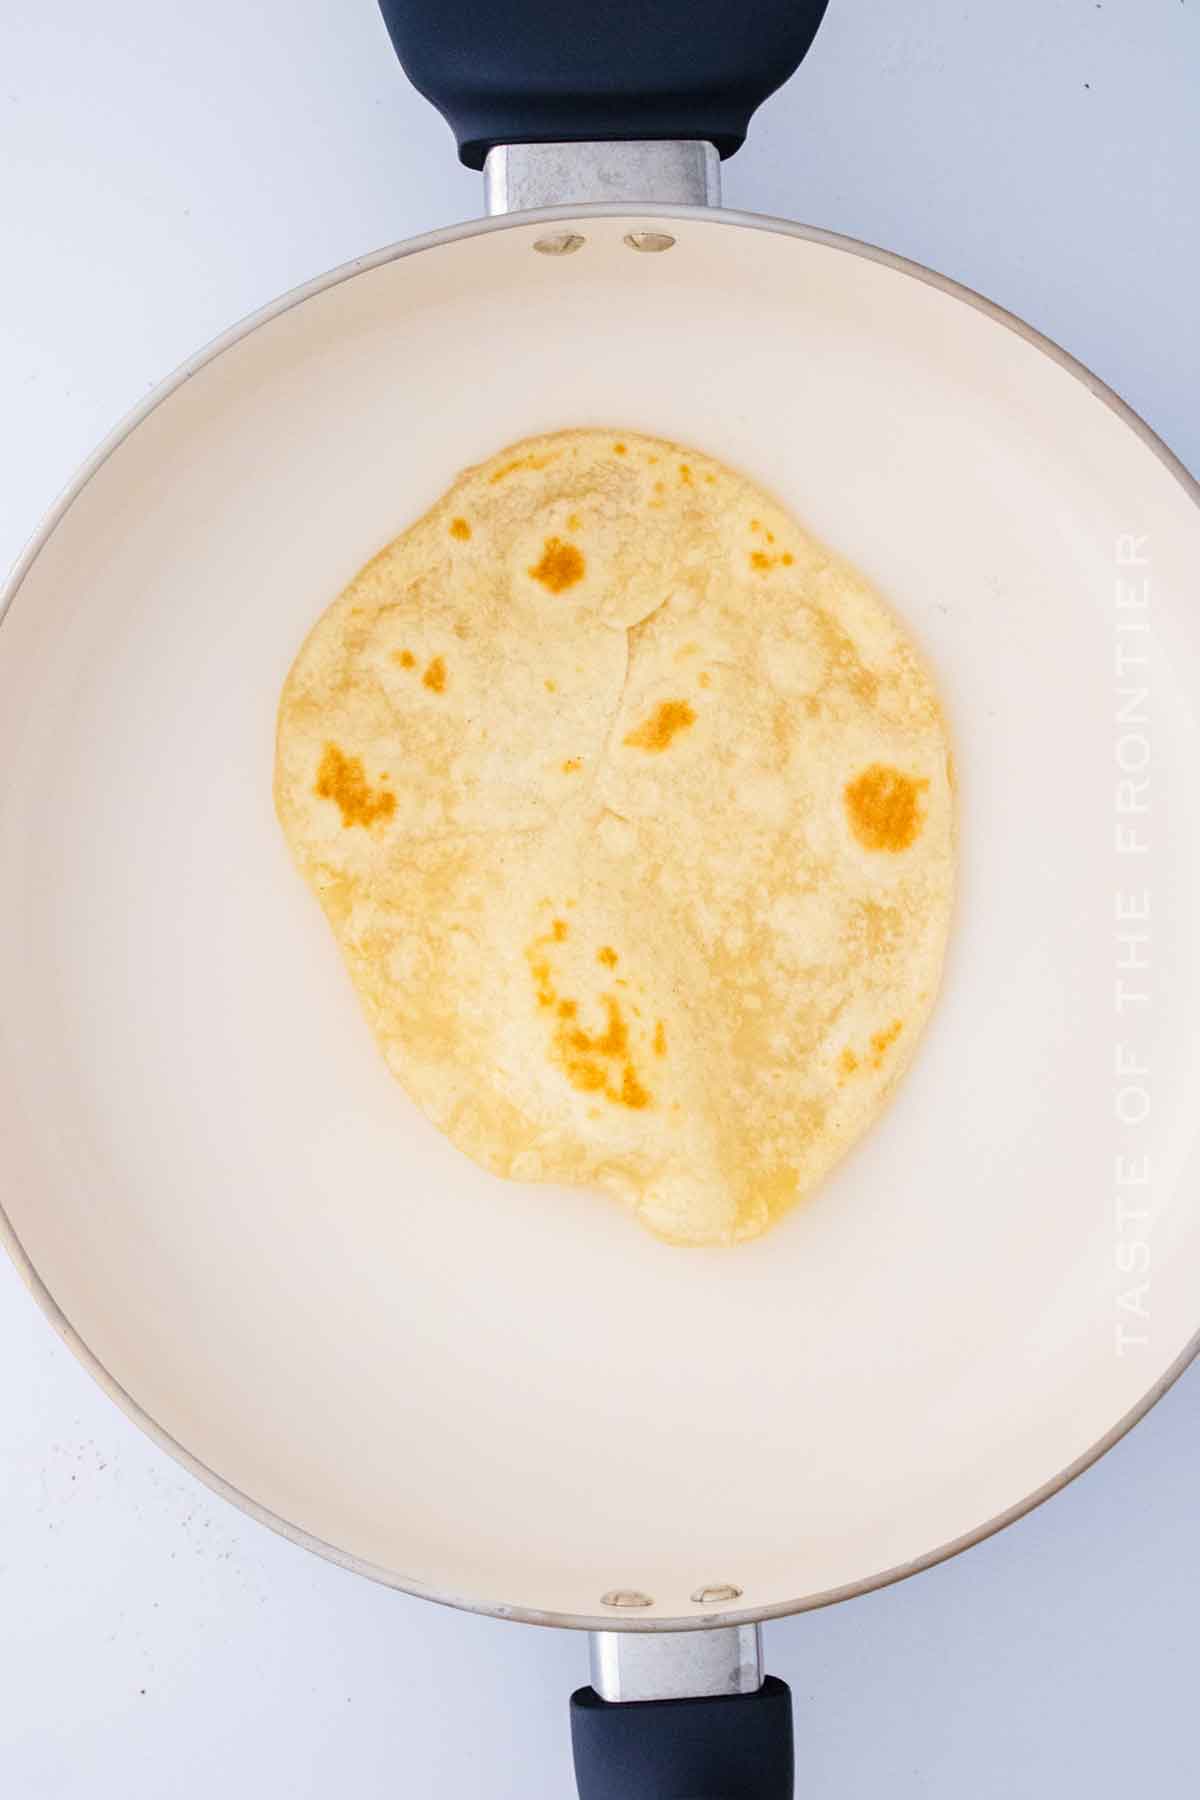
734,1747
589,71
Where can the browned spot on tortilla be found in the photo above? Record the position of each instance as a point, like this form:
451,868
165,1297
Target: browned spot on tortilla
434,677
704,678
607,956
632,1093
847,1061
882,1042
668,719
883,807
559,929
612,1041
551,686
341,779
522,462
586,1058
560,567
685,474
539,968
405,658
620,449
572,766
762,560
660,1039
585,1075
460,529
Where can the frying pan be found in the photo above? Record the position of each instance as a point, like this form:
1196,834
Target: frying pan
509,1399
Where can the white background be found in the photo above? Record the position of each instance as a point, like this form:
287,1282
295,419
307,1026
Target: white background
164,170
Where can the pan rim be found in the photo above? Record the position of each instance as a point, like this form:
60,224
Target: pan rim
38,1288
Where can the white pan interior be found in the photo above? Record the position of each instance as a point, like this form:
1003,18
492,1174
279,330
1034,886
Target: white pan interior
510,1396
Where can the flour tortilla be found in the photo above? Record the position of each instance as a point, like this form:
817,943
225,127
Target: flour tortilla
631,809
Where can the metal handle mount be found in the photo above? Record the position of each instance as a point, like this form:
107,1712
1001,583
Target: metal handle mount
669,171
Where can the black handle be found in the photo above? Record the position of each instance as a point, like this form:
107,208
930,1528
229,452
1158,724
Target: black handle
573,71
738,1747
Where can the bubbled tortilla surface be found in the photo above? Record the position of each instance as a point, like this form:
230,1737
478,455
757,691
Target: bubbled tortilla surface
630,807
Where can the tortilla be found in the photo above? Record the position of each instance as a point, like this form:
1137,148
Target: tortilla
631,809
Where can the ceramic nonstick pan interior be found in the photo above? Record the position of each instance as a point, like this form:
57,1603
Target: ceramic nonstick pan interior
508,1396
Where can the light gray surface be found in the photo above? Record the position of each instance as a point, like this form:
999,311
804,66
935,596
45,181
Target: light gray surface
162,174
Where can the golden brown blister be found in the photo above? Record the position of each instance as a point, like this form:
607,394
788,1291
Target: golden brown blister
629,805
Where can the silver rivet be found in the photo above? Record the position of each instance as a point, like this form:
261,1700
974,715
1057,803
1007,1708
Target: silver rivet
625,1597
719,1590
649,240
559,243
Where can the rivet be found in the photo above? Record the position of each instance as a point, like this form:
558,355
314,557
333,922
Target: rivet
718,1591
652,241
559,243
625,1597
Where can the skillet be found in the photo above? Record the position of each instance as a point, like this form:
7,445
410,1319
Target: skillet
496,1397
